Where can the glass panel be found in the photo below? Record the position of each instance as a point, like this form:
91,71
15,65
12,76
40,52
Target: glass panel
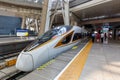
77,36
42,39
65,40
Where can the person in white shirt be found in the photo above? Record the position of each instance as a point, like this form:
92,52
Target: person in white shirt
102,36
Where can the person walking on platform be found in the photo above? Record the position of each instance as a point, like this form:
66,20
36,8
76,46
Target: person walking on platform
98,37
105,36
93,37
119,35
102,36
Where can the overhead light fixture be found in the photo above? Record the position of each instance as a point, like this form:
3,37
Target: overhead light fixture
36,1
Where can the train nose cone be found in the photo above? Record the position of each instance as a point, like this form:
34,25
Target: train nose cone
25,62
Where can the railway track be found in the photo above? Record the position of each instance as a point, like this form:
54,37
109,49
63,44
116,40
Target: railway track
8,60
15,75
7,68
9,53
6,56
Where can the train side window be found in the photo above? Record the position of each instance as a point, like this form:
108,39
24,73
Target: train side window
77,36
65,40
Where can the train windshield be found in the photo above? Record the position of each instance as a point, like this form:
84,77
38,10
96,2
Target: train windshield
47,36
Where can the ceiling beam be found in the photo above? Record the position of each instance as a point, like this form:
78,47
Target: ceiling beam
101,21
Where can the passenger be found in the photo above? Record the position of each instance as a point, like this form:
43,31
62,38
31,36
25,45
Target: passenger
110,34
93,37
102,36
119,35
98,37
105,36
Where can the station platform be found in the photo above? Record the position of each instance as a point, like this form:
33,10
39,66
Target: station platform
10,45
6,40
103,62
7,71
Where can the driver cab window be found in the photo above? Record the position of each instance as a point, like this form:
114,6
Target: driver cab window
65,40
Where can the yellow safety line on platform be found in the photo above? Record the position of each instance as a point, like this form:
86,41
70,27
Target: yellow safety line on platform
73,71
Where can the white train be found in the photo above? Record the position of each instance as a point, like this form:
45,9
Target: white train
48,46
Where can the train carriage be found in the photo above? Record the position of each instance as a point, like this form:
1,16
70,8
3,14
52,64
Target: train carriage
48,46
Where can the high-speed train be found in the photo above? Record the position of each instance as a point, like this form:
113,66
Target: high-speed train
48,46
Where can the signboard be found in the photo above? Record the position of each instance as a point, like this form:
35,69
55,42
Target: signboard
105,30
22,32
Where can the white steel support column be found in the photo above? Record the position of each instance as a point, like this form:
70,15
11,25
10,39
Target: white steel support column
66,11
36,23
53,14
47,24
44,16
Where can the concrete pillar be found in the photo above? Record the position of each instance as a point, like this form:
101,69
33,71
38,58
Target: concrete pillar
73,20
28,25
75,23
44,15
23,22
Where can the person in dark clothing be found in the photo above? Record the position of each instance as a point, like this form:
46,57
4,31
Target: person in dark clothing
105,36
119,35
